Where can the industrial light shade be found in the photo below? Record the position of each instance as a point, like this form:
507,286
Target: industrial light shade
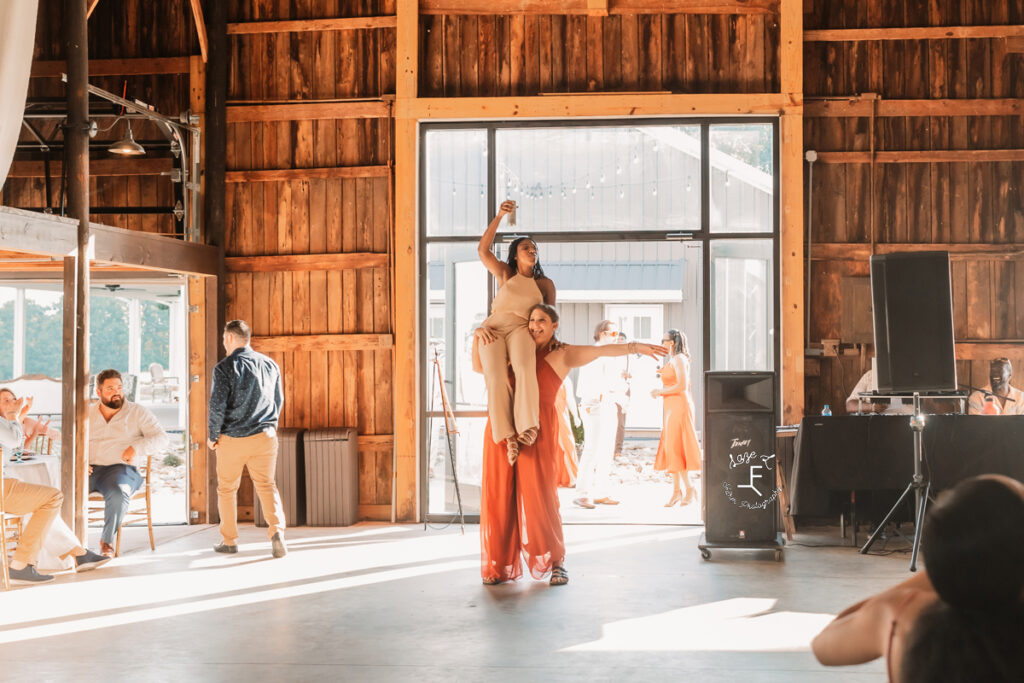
127,147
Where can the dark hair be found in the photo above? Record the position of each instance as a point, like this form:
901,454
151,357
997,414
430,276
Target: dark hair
513,262
602,327
957,646
679,344
548,309
104,375
240,329
973,544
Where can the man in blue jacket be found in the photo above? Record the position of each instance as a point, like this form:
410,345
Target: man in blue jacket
245,402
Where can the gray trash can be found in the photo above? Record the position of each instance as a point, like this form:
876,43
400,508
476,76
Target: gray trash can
290,477
332,476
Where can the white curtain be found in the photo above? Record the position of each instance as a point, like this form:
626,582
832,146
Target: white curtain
17,39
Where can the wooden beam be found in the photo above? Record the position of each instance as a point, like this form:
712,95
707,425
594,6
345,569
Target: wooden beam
198,453
913,33
303,111
304,262
989,349
38,233
405,502
322,342
861,107
374,512
583,6
791,59
67,372
197,15
304,25
925,156
143,66
850,251
92,6
97,167
594,105
276,174
597,8
791,275
1015,45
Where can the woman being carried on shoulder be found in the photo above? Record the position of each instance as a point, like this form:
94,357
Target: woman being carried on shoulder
505,338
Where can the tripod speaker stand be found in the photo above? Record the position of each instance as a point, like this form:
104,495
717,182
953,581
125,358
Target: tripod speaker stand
918,484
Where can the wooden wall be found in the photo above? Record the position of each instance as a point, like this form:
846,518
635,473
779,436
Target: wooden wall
972,206
302,211
508,55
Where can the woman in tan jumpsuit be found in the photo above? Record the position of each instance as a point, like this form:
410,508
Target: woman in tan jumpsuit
506,340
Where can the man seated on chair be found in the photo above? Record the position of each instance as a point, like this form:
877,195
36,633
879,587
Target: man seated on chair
121,434
1006,400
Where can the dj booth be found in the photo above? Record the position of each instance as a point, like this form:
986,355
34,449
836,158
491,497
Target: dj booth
873,453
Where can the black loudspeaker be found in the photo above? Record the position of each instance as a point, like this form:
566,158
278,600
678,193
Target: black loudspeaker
740,491
913,316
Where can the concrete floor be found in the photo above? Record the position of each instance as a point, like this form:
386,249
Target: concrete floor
378,603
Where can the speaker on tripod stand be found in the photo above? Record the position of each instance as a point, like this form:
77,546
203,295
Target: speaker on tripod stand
914,352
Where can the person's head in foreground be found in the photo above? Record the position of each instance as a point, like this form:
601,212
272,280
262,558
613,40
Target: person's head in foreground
973,548
543,323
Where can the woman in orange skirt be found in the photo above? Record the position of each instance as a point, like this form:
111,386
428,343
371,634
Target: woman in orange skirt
519,517
678,450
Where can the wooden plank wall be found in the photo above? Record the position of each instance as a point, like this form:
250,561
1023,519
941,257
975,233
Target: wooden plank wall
956,203
508,55
323,388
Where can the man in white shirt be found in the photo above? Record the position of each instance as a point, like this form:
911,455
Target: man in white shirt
1010,401
121,434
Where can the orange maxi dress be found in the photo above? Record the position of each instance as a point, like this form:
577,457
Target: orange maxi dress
678,449
568,463
519,517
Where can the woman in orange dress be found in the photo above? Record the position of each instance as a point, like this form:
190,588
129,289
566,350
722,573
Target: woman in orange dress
519,517
678,449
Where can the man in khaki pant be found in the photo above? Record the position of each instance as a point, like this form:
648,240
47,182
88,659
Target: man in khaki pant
42,502
245,402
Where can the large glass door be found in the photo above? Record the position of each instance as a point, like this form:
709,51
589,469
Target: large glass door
652,224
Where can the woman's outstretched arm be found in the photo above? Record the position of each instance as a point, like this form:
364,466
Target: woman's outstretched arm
498,269
576,356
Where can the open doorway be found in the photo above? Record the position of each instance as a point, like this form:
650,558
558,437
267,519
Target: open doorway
137,326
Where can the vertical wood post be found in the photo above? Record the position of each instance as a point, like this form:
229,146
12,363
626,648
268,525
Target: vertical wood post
76,47
68,418
406,375
792,200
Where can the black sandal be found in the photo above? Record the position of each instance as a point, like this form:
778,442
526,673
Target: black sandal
491,582
559,577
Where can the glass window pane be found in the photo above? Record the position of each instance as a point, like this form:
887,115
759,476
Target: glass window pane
466,446
6,333
108,333
156,325
455,182
742,184
44,324
601,178
742,305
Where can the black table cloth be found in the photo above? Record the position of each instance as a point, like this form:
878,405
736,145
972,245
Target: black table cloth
875,453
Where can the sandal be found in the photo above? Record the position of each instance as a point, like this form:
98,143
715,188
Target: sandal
491,581
513,450
559,577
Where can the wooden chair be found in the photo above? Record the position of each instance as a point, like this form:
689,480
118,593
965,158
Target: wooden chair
139,507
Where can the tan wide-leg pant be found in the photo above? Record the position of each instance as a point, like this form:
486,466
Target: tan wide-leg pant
43,503
510,412
259,453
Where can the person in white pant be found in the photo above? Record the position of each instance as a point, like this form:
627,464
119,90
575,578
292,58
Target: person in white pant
601,386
